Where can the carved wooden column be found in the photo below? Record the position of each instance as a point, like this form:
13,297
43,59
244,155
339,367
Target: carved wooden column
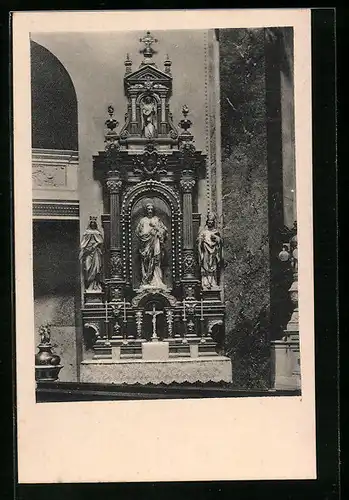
187,183
113,184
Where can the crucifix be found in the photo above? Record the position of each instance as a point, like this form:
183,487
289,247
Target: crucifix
154,313
148,50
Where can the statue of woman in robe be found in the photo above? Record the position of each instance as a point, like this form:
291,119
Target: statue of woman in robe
152,235
210,253
148,115
91,256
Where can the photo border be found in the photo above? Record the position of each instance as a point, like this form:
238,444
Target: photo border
325,225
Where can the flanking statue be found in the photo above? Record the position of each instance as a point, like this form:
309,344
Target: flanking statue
152,234
91,249
210,251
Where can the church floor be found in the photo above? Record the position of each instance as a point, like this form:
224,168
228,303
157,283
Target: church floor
75,391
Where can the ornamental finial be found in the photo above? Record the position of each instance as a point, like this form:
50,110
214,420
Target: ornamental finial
128,64
148,50
111,137
185,123
167,64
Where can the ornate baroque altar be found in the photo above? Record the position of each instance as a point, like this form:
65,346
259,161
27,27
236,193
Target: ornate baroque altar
152,299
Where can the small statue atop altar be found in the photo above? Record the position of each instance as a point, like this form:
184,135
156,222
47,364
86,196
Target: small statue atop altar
152,235
91,256
148,116
45,333
210,246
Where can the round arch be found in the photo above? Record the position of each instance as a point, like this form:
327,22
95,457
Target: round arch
54,102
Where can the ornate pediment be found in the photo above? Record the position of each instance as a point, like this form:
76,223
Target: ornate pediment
146,73
148,90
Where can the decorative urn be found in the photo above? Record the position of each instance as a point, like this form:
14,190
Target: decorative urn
47,364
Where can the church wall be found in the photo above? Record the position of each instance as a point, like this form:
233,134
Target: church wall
56,288
95,62
245,204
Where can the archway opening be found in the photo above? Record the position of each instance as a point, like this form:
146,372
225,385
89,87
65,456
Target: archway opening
54,102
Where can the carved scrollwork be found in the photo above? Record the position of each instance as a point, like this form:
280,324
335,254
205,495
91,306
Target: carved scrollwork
124,134
147,293
187,148
189,263
139,322
189,292
150,164
115,293
212,323
94,327
51,176
115,265
190,307
169,320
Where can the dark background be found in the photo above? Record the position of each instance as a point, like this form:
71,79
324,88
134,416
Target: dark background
326,320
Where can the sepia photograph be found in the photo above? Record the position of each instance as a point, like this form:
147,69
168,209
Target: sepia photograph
165,185
164,212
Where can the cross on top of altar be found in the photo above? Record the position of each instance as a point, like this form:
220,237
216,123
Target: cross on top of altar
148,50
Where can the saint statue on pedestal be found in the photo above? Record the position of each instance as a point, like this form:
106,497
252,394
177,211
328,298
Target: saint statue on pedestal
91,256
148,116
210,253
152,234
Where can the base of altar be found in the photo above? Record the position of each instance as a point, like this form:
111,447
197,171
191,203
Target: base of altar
141,371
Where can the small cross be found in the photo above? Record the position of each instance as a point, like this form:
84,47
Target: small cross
154,313
148,40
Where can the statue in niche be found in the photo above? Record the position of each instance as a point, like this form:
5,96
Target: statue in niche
210,246
152,234
148,117
91,256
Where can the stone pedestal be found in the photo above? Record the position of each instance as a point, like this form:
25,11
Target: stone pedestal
179,370
286,363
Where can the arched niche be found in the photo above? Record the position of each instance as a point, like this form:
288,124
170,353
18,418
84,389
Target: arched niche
54,102
161,302
163,211
167,207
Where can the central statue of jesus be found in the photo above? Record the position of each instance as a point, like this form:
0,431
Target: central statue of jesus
152,234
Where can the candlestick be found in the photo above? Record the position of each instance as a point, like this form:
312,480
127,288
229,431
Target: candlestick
106,324
125,320
184,315
202,310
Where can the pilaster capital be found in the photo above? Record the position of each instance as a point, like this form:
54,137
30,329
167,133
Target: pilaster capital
113,185
187,184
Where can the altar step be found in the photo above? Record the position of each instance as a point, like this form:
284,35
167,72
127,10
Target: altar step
155,371
78,391
177,348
